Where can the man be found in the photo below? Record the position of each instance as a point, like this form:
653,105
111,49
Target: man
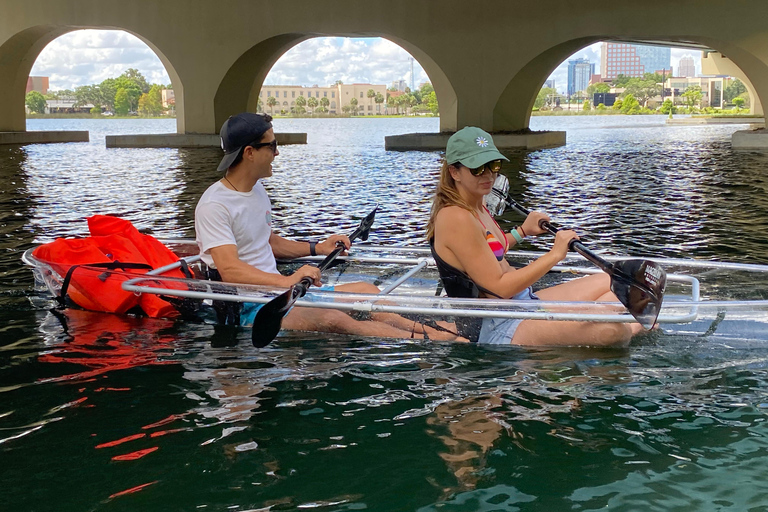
233,230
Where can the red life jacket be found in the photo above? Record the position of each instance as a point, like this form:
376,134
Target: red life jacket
113,240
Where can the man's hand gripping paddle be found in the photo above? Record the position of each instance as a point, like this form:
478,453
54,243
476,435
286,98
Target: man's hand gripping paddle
268,320
638,284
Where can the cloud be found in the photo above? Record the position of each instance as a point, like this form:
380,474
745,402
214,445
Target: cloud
322,61
87,57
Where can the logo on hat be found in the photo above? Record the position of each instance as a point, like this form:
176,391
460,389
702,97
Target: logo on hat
482,142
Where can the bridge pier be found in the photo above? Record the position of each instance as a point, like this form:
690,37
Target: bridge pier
438,141
187,140
43,137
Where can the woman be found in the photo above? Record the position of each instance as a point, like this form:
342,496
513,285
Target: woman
469,247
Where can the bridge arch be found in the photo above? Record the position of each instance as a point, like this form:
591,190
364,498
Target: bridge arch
511,112
239,89
19,53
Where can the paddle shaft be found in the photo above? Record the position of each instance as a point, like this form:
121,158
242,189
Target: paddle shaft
573,245
270,317
363,228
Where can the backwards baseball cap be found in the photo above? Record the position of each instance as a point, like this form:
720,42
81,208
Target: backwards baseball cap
472,147
238,132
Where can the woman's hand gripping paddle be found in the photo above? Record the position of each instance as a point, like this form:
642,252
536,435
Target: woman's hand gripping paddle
268,320
638,284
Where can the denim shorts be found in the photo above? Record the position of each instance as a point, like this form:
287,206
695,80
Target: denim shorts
250,309
499,331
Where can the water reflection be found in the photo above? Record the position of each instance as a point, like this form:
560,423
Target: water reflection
184,414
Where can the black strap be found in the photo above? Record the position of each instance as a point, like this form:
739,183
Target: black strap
184,266
112,265
227,313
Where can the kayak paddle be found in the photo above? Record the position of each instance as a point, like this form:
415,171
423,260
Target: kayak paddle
269,318
638,284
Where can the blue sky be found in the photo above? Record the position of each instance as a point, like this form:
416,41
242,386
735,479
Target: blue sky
89,56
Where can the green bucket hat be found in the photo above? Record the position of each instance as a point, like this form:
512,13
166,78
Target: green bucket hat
472,147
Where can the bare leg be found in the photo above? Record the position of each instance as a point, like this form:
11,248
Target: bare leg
399,321
595,287
596,334
333,320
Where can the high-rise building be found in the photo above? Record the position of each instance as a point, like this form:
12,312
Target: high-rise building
579,73
550,83
633,60
686,67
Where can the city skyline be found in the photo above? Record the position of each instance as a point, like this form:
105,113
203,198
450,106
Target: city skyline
86,57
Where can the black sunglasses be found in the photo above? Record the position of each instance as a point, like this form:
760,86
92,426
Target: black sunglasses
494,166
272,145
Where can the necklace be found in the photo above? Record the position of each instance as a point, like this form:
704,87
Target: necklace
230,184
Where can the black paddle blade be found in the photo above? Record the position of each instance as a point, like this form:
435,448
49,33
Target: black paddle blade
639,285
269,318
364,229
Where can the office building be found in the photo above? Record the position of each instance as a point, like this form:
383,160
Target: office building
633,60
580,71
37,83
686,67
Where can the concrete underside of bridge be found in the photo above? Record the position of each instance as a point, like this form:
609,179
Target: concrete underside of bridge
486,61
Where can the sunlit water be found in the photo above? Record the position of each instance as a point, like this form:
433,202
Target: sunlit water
120,413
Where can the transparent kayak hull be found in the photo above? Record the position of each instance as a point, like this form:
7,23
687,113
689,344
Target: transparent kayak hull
700,294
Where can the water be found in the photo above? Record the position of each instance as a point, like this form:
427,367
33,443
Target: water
120,413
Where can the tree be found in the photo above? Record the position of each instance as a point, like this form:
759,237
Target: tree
371,94
133,75
353,106
643,89
379,99
312,103
151,103
324,102
301,101
598,87
738,101
122,102
668,107
35,102
107,91
630,105
587,105
541,98
692,96
391,103
271,102
733,89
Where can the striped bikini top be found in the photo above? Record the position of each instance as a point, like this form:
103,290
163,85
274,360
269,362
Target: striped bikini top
494,243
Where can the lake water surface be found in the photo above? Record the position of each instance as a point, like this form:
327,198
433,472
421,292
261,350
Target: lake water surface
122,413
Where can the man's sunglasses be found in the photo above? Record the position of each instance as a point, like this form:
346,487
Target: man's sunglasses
494,166
272,145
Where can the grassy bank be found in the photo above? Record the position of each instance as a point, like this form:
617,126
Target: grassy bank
89,116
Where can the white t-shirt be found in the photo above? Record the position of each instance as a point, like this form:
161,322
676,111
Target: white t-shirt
243,219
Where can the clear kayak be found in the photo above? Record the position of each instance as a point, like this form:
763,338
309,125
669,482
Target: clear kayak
701,296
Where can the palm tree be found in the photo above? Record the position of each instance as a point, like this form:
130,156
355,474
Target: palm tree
371,95
312,103
300,102
353,104
271,101
379,99
324,102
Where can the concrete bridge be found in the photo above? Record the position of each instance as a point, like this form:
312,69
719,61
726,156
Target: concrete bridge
486,60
